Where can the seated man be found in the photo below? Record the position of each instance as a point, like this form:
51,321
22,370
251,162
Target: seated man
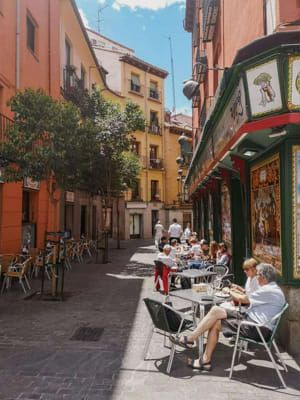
204,249
264,304
169,265
162,243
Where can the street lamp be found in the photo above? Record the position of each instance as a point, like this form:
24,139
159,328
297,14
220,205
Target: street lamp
191,86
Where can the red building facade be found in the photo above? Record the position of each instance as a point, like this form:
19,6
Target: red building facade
29,35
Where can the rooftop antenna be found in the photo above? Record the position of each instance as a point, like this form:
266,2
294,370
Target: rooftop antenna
173,78
100,9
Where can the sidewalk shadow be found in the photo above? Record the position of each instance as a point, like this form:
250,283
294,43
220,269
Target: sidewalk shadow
255,370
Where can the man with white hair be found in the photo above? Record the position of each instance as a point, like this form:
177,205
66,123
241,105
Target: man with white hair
264,304
169,265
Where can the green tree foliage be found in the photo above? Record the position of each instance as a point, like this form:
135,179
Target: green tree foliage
46,139
84,144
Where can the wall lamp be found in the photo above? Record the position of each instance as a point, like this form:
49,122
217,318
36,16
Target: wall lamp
277,132
249,149
191,86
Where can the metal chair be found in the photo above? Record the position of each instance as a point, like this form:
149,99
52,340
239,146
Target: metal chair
266,343
166,321
18,270
221,272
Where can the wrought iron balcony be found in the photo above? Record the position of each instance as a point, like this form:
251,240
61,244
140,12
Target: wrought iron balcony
135,87
155,195
155,163
154,94
154,128
210,17
5,123
71,80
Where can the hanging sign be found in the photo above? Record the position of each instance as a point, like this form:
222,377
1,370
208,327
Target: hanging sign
264,88
29,183
294,83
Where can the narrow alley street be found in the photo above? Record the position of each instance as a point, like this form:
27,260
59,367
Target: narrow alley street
39,358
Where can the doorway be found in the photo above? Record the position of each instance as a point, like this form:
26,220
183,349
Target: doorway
83,221
135,226
154,219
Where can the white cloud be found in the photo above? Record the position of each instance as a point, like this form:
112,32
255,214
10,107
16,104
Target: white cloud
101,1
146,4
116,6
84,18
184,110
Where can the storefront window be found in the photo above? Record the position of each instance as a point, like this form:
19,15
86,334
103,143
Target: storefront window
226,215
265,211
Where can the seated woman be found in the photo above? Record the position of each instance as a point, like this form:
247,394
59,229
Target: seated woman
239,293
264,304
223,256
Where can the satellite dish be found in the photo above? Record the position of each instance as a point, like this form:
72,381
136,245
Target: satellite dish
190,88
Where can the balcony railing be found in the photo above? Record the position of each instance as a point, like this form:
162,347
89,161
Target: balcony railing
71,79
154,94
135,87
155,195
154,128
156,163
5,123
136,195
210,17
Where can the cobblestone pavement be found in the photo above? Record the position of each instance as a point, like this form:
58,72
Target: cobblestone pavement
38,359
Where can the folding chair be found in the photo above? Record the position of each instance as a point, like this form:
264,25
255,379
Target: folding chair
166,321
18,270
266,343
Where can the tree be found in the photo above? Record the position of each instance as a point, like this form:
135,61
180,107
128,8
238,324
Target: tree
82,146
46,140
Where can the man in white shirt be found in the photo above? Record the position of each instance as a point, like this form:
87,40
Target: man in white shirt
175,231
166,258
264,305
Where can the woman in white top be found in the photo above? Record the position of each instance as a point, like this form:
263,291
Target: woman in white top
249,267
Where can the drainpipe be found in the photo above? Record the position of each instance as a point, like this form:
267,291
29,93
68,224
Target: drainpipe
18,20
49,48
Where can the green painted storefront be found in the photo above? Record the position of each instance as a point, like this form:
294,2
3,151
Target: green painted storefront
244,178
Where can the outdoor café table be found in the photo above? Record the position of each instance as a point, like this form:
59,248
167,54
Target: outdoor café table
197,299
195,273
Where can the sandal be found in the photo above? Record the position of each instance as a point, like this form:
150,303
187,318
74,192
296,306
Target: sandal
199,365
185,343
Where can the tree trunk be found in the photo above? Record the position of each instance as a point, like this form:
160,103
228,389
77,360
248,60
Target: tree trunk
118,224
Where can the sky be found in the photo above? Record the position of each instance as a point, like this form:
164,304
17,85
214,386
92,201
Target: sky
144,26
